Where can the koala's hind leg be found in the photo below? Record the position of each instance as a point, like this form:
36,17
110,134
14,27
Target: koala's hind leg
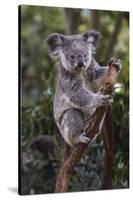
72,125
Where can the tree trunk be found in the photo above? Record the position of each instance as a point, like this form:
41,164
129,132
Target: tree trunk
109,50
94,22
72,20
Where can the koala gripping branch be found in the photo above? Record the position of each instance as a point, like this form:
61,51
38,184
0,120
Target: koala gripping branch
67,166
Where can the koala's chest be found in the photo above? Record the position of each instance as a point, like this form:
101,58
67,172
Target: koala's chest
87,84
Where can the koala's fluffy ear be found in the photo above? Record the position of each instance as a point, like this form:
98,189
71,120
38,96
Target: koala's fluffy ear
92,36
54,42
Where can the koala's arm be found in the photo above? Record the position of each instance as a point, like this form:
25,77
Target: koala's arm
99,75
81,97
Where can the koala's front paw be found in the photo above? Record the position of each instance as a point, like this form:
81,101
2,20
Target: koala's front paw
114,69
115,63
103,100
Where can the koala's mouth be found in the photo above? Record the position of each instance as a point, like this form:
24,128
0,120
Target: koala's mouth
80,67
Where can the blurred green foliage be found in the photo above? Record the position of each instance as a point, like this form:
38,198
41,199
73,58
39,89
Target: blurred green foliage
38,88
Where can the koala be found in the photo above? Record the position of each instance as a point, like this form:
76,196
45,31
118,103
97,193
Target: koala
79,80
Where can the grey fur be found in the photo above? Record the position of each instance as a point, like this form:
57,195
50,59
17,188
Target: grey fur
80,77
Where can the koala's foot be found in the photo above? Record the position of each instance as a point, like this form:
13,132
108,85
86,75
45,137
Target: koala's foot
71,126
83,138
115,63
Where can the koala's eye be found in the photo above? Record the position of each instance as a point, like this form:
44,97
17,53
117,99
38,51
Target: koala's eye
72,56
84,55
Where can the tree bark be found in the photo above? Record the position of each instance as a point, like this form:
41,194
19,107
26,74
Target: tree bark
66,151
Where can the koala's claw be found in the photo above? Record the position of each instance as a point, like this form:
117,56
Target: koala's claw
83,138
115,63
110,100
117,66
104,100
107,96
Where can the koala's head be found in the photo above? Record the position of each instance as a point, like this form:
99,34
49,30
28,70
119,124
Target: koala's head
75,51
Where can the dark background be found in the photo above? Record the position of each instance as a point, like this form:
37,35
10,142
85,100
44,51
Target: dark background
39,165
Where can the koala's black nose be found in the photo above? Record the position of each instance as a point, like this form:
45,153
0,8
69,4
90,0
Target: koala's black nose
80,65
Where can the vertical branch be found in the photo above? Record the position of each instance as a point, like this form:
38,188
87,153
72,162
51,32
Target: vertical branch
94,22
72,20
109,50
108,138
66,151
